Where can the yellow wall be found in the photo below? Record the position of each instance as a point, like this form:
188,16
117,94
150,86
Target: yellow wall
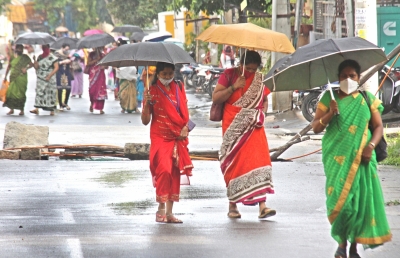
169,24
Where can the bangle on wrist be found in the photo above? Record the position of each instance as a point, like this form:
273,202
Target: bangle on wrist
373,144
320,121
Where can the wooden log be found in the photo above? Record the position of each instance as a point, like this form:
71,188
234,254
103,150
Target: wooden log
294,140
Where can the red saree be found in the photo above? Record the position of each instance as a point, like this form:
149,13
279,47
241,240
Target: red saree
245,159
169,157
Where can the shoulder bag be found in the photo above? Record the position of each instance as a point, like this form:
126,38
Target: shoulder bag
380,148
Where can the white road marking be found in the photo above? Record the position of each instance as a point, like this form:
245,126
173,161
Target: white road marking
74,245
67,216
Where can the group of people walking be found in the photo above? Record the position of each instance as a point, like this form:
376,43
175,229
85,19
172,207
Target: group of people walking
355,205
60,76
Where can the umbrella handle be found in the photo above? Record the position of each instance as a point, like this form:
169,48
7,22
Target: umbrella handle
333,97
244,61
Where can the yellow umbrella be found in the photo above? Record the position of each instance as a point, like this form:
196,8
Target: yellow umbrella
249,36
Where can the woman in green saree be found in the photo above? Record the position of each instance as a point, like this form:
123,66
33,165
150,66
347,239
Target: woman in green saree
355,203
16,93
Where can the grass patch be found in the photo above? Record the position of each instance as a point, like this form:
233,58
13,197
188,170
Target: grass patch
393,149
132,208
393,203
117,179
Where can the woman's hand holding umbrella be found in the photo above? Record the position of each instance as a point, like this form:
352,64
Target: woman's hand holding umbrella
333,107
240,83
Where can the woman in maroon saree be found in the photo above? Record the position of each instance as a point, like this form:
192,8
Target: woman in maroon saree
166,107
97,81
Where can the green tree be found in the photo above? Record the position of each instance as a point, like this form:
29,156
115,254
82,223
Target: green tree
86,13
3,4
211,6
140,13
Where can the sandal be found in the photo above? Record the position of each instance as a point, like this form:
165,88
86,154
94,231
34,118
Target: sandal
35,111
234,214
340,253
101,112
91,109
266,213
67,107
52,113
172,219
10,113
161,218
354,255
21,113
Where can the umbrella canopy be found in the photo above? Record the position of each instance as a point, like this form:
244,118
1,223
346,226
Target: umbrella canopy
138,36
146,54
35,38
92,32
127,28
157,36
315,64
61,29
61,41
95,40
249,36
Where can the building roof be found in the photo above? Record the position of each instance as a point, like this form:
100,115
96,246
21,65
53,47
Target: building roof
16,13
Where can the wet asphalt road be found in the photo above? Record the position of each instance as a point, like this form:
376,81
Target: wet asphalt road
107,208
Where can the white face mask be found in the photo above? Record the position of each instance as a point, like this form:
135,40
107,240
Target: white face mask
348,86
165,82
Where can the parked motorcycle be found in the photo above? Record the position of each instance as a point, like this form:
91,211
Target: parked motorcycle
189,75
214,73
389,93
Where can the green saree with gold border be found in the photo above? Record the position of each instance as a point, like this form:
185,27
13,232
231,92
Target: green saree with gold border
355,204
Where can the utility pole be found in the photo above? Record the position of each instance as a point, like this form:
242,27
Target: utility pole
366,28
282,100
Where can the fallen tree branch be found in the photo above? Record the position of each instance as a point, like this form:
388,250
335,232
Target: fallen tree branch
296,139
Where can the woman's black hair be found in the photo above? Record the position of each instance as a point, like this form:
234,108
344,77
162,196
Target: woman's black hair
252,57
19,46
65,45
350,63
160,67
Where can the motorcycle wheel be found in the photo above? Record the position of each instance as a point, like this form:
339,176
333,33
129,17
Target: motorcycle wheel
309,105
396,106
212,86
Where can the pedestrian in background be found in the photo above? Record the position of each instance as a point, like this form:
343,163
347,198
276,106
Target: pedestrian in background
355,204
227,59
16,93
77,83
140,87
245,159
166,107
127,92
97,81
46,67
64,76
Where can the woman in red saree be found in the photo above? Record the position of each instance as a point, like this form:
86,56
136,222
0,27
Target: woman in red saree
245,159
97,81
165,106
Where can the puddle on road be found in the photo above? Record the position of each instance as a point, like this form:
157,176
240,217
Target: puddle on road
202,192
132,208
118,178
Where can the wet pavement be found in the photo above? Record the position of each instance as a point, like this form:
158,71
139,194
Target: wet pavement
107,208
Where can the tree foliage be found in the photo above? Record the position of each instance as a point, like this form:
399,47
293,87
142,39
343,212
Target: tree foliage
3,4
86,13
140,12
211,6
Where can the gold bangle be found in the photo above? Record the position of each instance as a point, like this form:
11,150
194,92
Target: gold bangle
373,144
320,121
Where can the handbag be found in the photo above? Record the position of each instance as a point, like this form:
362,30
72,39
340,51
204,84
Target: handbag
381,147
76,67
3,90
217,111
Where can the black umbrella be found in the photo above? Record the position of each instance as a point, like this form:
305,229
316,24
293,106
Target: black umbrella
35,38
95,40
146,54
317,63
138,36
127,28
61,41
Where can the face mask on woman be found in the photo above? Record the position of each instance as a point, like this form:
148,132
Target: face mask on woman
348,86
165,82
